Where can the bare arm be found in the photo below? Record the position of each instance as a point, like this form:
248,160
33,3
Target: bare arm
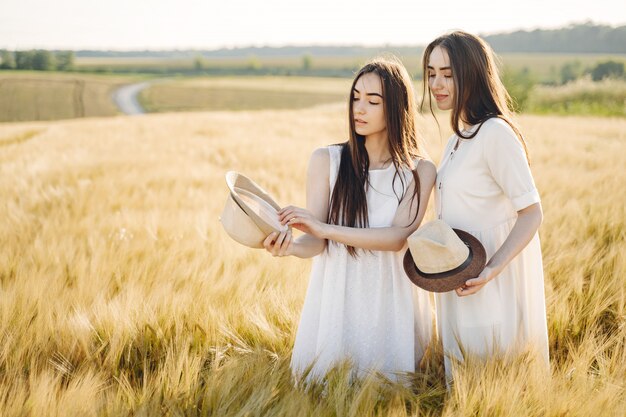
390,238
317,197
528,221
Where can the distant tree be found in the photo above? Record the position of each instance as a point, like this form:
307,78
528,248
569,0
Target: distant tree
253,63
43,60
571,71
580,37
24,60
8,59
519,84
65,60
198,63
607,69
307,62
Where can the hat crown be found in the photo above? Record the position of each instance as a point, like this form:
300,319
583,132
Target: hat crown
436,248
250,214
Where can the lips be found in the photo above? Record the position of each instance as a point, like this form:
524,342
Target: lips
360,121
440,97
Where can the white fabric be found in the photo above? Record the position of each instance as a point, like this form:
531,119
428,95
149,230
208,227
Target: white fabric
363,309
479,189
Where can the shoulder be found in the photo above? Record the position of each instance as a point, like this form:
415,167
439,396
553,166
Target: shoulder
498,133
321,153
497,128
426,170
320,157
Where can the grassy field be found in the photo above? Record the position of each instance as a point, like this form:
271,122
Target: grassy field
51,96
545,67
583,97
243,93
286,62
122,295
607,97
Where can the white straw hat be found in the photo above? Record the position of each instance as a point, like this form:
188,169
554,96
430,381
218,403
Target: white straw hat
249,214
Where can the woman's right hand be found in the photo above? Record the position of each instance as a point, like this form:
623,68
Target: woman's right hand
279,244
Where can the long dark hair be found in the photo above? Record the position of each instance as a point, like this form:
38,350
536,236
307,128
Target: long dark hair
348,204
479,92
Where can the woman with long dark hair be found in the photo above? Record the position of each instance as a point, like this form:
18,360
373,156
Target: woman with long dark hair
485,187
364,198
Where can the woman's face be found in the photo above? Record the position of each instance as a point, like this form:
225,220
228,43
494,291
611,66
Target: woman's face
367,105
440,79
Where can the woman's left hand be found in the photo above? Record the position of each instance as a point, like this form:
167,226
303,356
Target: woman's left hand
472,286
302,220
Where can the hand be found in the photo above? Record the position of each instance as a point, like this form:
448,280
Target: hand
302,220
472,286
279,244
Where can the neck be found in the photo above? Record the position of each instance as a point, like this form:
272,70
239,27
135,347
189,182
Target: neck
377,146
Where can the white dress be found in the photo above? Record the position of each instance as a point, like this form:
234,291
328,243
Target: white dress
479,189
364,309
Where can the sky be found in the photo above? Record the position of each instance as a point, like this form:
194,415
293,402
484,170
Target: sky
209,24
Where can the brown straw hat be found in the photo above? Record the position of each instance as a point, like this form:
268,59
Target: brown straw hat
441,259
250,214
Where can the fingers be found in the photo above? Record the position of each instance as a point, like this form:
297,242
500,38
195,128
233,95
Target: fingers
286,210
296,214
475,281
297,220
472,286
287,213
278,243
284,213
268,243
282,251
465,290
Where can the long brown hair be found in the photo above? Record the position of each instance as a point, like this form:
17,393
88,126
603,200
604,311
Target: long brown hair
348,204
479,92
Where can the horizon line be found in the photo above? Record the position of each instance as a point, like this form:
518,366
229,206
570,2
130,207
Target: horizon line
305,45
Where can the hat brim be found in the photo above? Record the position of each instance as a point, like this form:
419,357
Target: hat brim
449,280
236,182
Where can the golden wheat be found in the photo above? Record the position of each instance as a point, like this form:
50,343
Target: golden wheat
121,294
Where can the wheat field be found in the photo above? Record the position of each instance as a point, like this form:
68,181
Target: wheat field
42,95
121,295
242,93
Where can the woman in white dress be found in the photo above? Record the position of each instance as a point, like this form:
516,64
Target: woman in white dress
362,204
484,186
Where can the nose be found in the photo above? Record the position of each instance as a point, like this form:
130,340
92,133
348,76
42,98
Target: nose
358,107
437,82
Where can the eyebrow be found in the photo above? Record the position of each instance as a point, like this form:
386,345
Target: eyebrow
369,94
442,68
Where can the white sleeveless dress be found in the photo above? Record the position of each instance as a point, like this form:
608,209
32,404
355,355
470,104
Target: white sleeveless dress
479,189
363,309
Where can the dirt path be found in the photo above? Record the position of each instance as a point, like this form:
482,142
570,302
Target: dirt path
125,97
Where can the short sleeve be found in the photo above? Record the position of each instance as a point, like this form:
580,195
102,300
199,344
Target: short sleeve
507,162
